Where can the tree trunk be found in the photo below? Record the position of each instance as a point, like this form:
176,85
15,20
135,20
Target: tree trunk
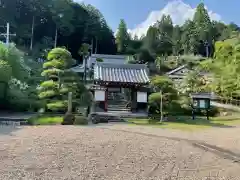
32,35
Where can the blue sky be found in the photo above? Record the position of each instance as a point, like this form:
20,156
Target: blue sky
136,12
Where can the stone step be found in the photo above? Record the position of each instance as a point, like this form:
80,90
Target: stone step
119,109
117,105
116,120
105,118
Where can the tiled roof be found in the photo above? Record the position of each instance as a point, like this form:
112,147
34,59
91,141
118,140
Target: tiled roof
124,73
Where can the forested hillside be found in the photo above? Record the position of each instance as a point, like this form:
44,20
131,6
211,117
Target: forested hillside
165,46
37,21
196,36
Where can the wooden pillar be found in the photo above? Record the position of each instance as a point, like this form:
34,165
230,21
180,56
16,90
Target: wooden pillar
134,99
106,99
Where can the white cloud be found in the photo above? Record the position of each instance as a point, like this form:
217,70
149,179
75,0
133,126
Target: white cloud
179,12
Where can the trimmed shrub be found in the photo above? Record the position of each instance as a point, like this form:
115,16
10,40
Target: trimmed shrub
80,120
41,119
68,119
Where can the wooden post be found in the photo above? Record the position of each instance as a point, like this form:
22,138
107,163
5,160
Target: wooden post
161,106
106,98
207,114
193,115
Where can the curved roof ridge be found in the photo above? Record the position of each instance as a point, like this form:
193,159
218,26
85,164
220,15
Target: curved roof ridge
125,66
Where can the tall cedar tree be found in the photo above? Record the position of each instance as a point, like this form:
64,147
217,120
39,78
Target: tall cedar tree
122,37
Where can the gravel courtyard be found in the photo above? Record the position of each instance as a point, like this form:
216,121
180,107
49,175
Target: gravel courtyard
107,153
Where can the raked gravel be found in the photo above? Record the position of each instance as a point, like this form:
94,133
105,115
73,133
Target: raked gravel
96,153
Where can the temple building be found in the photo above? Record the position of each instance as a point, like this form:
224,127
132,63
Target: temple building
116,85
121,87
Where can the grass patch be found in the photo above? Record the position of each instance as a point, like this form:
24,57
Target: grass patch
46,120
187,124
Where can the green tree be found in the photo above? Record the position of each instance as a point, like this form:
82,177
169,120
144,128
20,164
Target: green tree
165,31
176,40
169,94
84,52
203,23
56,85
122,37
189,39
151,40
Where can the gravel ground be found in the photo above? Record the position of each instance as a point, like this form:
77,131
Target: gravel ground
95,153
227,138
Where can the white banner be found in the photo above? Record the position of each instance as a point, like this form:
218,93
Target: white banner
142,97
99,95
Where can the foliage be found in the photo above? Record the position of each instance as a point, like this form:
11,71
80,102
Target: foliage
50,90
45,120
80,120
193,82
59,81
143,56
5,71
57,106
99,60
122,37
194,37
168,95
84,50
19,71
186,123
68,119
14,59
225,67
76,23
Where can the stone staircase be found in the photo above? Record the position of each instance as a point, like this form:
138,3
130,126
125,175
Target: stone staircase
118,102
104,117
119,106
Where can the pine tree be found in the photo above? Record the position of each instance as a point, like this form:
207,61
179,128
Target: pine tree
58,80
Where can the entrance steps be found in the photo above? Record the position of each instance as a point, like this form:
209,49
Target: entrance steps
118,107
114,116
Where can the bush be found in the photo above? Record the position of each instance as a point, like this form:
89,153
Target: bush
80,120
45,120
68,119
58,106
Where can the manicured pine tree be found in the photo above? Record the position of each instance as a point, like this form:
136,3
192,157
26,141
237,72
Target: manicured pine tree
58,80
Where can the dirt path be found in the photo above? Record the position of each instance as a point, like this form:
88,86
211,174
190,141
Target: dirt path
95,153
